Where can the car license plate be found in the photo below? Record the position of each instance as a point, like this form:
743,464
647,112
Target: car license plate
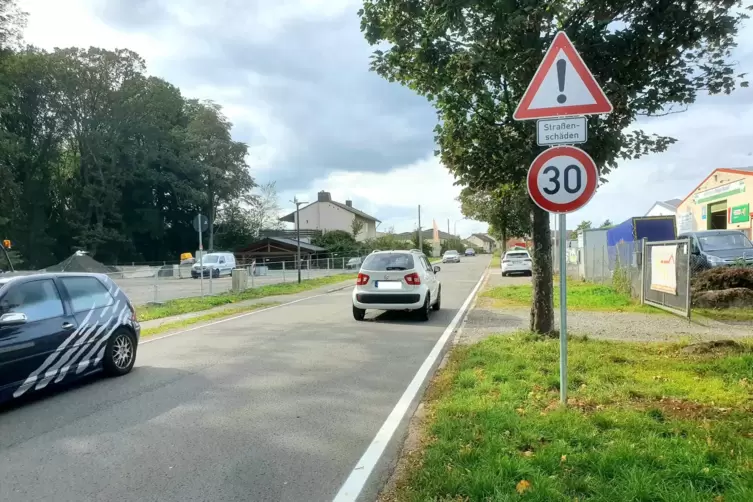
389,285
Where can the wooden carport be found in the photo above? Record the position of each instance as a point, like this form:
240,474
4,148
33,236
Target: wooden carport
273,251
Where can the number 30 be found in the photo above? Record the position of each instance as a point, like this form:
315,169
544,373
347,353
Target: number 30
571,185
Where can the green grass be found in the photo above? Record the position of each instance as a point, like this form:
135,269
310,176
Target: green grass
172,326
196,303
645,422
731,314
496,260
580,296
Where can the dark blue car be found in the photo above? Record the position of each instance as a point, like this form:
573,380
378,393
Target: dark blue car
59,327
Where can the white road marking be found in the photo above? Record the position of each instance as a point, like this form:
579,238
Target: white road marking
352,487
239,316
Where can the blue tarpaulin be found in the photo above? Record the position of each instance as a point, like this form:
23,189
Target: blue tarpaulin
623,238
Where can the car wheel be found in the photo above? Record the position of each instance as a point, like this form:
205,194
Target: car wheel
216,273
358,314
423,312
438,303
120,353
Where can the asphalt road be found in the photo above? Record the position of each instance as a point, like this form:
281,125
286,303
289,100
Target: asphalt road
275,406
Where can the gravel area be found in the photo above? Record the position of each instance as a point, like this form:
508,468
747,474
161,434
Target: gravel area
485,320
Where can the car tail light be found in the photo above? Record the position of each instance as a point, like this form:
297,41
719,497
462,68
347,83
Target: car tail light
362,279
505,261
413,279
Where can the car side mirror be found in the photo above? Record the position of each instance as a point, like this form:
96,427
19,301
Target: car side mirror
12,319
436,269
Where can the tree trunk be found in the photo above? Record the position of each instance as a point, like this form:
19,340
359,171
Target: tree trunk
542,308
504,240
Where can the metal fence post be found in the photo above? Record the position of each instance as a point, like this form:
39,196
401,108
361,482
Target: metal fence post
283,271
688,300
308,267
252,277
644,260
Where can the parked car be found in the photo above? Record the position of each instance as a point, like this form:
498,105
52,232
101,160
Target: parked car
717,248
218,264
58,327
451,256
470,252
354,263
517,262
397,280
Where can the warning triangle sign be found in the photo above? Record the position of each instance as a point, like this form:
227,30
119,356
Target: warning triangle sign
562,86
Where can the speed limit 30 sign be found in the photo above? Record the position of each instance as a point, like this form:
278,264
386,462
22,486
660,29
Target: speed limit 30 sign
562,179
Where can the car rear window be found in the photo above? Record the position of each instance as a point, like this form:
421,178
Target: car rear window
86,293
517,256
388,261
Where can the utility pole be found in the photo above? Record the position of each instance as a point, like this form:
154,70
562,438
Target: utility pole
448,225
420,243
298,233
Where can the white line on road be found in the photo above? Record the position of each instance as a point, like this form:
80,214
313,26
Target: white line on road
352,487
227,319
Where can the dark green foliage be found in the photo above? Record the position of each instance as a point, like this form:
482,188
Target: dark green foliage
96,155
338,242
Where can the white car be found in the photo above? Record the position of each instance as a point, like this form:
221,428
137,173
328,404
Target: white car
218,264
451,256
517,262
397,280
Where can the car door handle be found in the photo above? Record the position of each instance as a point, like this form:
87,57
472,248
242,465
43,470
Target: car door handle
67,325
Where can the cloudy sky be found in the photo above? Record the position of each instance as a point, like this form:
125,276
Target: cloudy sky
293,77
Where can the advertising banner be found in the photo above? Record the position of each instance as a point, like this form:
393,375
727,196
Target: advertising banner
664,268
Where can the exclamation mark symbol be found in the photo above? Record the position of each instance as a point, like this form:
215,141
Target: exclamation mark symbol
561,67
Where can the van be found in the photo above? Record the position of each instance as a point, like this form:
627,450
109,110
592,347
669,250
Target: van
218,264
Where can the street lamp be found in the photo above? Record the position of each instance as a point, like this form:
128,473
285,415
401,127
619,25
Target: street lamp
298,232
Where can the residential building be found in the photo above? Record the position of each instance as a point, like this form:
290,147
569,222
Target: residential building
483,241
664,208
721,201
327,215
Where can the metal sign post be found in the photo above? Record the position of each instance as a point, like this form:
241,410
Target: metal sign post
563,307
201,262
200,224
562,179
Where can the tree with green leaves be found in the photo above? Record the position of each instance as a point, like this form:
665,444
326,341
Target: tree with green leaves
474,60
356,226
583,225
506,209
607,224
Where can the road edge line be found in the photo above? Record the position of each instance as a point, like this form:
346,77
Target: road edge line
356,480
239,316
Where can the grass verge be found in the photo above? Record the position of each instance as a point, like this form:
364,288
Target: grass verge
580,296
645,422
211,316
196,303
732,314
496,260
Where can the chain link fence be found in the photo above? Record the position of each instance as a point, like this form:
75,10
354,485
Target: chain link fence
170,281
618,266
